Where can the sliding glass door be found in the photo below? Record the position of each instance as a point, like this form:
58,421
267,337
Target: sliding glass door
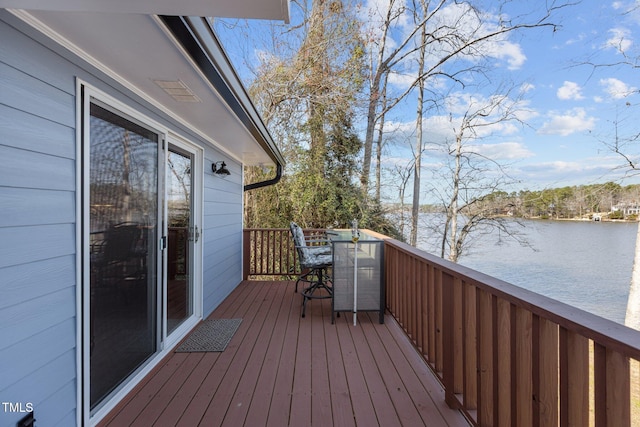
182,235
142,273
124,233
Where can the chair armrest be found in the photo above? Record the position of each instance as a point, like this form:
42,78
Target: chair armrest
326,241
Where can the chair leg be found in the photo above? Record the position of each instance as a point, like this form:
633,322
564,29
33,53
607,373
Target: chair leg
303,278
318,279
304,305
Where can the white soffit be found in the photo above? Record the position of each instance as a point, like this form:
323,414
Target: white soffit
250,9
138,53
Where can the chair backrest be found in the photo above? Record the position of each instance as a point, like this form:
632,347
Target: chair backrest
300,243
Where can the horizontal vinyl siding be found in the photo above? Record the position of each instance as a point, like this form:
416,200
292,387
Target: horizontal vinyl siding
222,225
37,231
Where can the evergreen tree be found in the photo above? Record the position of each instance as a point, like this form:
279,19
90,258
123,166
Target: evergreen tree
308,96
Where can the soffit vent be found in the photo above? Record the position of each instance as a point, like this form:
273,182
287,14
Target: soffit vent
177,90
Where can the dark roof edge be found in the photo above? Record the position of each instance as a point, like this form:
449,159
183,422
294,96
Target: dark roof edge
198,39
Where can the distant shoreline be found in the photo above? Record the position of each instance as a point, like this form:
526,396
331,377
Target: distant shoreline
603,219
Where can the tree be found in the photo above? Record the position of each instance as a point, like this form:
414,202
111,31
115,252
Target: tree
417,160
476,179
307,94
403,172
455,35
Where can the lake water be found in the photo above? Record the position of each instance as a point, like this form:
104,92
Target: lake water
585,264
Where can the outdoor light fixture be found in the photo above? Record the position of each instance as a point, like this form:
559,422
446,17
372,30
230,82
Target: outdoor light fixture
220,170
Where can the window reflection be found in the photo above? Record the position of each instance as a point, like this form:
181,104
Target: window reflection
123,238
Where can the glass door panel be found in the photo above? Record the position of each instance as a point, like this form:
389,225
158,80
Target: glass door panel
181,236
123,199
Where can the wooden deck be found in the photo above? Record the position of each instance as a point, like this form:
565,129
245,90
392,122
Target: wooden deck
280,369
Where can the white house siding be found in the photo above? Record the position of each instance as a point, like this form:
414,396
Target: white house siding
38,221
37,231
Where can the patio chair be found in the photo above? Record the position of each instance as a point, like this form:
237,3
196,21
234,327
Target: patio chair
314,263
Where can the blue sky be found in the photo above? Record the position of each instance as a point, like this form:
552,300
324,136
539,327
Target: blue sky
571,110
576,106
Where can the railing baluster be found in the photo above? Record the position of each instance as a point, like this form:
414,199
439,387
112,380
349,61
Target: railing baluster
438,320
458,337
448,364
485,358
471,355
524,386
417,318
419,308
574,379
431,304
411,289
548,356
271,245
284,258
612,388
424,308
505,360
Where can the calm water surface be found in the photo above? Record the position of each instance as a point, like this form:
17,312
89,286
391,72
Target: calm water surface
585,264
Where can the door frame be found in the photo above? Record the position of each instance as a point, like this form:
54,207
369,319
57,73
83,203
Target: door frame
86,94
182,144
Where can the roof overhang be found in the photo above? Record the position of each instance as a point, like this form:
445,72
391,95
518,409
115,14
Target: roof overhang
249,9
146,52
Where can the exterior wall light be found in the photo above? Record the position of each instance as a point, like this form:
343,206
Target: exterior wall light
220,170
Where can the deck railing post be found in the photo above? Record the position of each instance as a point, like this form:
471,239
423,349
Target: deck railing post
246,254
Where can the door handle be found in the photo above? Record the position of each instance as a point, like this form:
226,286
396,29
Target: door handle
194,234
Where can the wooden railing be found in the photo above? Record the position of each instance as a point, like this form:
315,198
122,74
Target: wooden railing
507,356
271,252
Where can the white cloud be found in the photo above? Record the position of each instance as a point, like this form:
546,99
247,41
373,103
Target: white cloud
503,151
403,81
617,5
471,24
557,167
577,39
527,87
570,91
620,39
465,18
578,172
575,120
617,89
506,50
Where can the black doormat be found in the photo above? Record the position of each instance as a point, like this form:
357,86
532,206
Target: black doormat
211,335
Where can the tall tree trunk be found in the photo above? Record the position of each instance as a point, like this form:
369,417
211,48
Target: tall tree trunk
317,85
415,208
372,110
453,206
380,141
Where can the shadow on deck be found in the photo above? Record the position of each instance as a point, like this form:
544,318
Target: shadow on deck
280,369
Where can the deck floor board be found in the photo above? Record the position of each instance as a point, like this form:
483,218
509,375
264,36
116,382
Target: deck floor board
282,370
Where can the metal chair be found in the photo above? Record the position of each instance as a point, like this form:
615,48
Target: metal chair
314,263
